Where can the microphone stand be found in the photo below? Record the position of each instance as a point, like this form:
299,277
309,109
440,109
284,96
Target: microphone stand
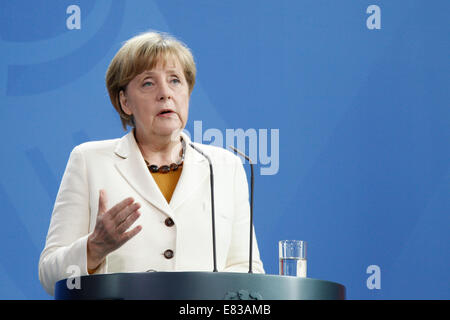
252,182
211,179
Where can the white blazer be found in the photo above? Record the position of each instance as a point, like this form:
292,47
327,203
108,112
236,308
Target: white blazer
117,166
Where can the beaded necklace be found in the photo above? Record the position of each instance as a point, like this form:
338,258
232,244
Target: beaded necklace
173,166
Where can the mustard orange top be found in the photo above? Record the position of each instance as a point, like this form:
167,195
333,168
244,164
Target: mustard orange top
167,182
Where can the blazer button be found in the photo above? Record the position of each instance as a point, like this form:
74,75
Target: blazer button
169,222
168,254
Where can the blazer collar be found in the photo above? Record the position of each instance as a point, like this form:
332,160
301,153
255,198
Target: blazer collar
195,171
133,169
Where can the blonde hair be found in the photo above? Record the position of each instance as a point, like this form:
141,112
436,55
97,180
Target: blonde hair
141,53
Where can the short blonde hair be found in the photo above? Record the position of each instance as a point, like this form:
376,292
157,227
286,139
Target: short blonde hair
142,53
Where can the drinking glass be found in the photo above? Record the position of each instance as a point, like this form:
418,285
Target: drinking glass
292,255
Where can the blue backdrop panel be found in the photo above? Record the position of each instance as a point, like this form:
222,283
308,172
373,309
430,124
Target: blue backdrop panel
353,96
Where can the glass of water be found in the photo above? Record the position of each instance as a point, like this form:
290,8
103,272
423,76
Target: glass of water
292,255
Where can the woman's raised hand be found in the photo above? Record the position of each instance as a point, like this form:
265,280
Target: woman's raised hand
111,227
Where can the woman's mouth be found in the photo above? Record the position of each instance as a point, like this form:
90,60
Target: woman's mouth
165,113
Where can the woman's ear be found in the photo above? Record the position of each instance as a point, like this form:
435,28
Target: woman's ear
124,103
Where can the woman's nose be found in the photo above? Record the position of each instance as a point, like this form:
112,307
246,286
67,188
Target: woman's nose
164,92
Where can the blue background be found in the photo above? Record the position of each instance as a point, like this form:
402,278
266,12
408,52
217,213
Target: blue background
363,117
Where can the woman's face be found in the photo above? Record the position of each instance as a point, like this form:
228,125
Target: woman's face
158,99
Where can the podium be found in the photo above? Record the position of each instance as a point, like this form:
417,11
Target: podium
197,286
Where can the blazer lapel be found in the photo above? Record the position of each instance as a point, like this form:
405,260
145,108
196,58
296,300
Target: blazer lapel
133,169
195,171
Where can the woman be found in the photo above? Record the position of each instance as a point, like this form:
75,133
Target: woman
143,201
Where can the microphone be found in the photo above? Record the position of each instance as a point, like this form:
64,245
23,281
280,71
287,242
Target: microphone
211,179
252,179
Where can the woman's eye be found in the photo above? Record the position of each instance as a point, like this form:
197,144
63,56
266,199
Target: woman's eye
147,84
175,80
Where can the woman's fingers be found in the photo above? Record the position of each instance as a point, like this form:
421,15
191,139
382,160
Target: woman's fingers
119,207
110,230
102,202
130,234
128,222
125,212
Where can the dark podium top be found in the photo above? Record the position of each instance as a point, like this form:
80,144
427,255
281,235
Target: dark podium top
198,286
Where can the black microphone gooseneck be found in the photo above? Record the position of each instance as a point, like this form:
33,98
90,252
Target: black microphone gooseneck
250,269
211,179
